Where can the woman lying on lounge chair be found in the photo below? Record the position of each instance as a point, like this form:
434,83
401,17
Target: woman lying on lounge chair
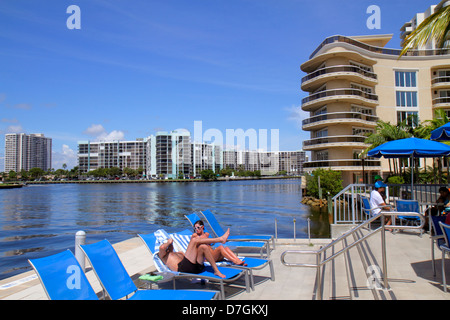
218,253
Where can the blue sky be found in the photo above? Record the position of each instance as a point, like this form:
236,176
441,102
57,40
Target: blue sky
140,66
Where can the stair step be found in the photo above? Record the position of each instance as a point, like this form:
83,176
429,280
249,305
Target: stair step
355,275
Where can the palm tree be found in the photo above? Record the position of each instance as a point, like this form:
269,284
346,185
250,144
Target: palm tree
384,132
436,26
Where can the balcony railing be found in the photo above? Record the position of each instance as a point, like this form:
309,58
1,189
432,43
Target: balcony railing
340,92
441,100
334,139
393,52
335,69
440,80
340,115
342,163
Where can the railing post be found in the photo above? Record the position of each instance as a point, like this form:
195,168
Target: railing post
383,250
294,230
80,239
319,278
276,229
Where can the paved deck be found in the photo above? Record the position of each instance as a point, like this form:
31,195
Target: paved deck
409,273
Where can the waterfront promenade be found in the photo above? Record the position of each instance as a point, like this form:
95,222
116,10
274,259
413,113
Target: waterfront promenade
408,259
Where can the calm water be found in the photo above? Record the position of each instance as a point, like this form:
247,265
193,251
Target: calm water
39,220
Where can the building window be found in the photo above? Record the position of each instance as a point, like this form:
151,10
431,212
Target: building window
405,79
322,133
363,110
322,155
361,87
406,98
411,117
444,93
444,73
361,131
322,110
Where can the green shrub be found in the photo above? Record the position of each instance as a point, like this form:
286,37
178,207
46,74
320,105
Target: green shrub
330,181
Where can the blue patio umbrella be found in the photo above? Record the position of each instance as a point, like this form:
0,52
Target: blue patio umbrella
410,148
441,133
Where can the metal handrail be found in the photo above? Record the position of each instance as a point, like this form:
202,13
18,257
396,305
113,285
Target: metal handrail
318,253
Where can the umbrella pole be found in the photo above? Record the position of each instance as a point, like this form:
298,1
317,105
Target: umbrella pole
412,177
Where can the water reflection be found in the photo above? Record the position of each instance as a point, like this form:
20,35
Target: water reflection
36,221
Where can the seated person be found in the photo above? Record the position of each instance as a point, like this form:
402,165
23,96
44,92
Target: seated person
442,203
221,252
196,253
377,201
383,193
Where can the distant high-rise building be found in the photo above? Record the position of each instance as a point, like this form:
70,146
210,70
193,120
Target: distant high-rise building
108,154
24,152
173,154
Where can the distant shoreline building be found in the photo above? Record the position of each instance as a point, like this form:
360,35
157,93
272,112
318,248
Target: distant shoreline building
24,152
173,154
355,81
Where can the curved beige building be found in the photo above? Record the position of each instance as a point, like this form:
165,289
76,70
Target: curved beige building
353,82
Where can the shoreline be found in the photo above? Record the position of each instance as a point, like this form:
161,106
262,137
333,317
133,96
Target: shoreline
160,180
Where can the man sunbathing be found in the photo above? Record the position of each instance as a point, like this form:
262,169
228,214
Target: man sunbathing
196,253
220,252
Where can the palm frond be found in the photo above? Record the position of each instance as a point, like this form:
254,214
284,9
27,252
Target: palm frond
436,26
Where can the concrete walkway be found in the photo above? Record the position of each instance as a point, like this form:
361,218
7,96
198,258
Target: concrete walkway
409,273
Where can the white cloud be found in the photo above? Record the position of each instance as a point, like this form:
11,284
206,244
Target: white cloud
65,155
297,114
94,130
100,134
14,129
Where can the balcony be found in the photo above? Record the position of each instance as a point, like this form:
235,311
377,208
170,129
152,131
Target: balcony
326,119
344,164
442,102
440,82
336,95
334,141
374,49
315,79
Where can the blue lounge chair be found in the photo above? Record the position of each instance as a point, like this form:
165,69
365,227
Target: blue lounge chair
219,231
182,240
234,244
231,275
116,282
62,277
437,237
445,249
408,206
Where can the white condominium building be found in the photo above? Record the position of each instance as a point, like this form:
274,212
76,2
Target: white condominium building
24,152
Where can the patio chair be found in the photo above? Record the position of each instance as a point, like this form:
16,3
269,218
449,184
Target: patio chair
445,249
62,277
117,284
234,244
183,238
218,230
231,275
437,237
365,206
408,206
